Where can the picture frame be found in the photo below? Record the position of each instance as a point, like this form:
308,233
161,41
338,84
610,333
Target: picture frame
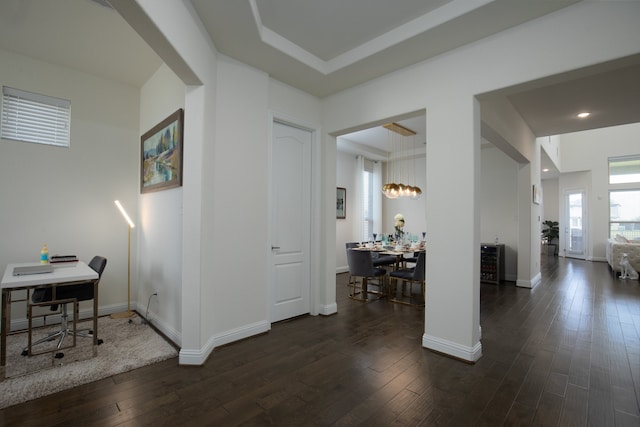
537,194
341,203
161,154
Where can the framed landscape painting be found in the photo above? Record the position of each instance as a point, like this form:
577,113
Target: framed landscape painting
161,155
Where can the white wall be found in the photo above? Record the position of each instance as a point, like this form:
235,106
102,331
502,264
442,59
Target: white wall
345,177
64,197
550,200
240,187
159,230
589,151
499,205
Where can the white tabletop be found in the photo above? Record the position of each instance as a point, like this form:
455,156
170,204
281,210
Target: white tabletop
61,273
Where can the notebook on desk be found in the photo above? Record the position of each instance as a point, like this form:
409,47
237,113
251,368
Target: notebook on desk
32,269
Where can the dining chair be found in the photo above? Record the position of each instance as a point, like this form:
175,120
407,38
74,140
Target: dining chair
362,271
413,259
350,245
383,260
409,276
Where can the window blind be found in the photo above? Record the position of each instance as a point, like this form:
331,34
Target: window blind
33,117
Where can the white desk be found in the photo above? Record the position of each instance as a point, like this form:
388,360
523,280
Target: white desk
62,275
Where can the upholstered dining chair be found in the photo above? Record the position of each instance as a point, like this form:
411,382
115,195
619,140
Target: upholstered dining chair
350,245
362,271
383,260
409,276
65,295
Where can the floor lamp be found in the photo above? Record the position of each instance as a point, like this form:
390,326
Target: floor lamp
130,224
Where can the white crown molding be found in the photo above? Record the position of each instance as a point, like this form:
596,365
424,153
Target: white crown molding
389,39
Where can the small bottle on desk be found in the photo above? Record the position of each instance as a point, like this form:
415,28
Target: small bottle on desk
44,255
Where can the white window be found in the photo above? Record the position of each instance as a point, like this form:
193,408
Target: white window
367,204
32,117
624,214
624,170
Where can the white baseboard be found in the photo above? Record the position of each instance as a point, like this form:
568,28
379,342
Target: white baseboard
469,354
342,270
199,356
530,284
173,335
327,310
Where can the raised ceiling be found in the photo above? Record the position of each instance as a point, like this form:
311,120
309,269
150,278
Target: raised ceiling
324,46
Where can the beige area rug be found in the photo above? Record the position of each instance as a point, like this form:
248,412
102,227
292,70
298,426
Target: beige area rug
126,346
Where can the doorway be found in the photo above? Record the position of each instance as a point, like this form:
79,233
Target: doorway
575,223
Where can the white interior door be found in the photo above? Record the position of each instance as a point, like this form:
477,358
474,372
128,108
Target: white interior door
575,223
290,222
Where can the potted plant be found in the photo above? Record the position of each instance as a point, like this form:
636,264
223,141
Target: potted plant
550,234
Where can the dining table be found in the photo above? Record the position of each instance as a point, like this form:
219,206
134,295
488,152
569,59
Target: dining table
398,252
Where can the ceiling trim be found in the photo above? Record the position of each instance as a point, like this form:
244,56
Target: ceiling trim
419,25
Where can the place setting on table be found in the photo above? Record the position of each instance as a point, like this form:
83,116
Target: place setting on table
408,243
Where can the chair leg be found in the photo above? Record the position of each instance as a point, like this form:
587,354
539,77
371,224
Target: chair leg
408,298
364,291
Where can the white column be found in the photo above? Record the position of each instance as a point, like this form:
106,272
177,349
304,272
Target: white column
452,314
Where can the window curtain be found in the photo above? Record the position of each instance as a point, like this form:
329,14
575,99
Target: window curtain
377,198
356,199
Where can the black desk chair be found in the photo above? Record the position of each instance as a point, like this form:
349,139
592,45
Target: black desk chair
410,276
65,295
361,266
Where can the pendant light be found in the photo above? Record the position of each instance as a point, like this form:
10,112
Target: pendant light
392,189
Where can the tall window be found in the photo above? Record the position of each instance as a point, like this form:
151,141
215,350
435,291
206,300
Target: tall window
624,202
367,204
32,117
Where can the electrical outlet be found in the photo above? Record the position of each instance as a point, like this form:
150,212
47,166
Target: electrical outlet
155,292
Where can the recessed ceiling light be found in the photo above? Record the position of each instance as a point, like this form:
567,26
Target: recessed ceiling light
583,115
545,170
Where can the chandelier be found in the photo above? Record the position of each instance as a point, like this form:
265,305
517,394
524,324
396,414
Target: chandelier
399,138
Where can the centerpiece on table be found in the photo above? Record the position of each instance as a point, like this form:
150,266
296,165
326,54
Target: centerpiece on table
399,226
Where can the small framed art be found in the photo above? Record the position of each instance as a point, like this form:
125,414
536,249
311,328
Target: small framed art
537,194
341,203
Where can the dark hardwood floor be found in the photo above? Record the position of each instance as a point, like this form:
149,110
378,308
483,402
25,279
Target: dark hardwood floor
565,354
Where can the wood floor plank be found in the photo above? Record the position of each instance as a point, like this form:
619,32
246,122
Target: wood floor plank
548,411
575,405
